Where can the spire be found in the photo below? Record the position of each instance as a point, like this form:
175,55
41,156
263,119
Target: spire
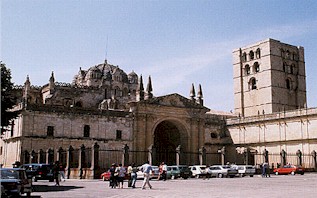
192,93
200,95
52,82
27,86
149,89
140,91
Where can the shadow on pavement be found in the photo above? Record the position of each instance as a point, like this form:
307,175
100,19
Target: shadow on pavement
46,188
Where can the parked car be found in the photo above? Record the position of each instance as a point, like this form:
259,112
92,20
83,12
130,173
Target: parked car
185,171
39,171
155,173
173,172
14,182
222,171
289,169
245,170
198,170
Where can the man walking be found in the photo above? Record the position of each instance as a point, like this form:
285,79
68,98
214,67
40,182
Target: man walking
147,170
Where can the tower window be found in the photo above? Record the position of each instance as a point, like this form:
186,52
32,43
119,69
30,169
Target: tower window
118,135
256,67
251,54
258,53
252,83
247,69
50,131
244,57
86,131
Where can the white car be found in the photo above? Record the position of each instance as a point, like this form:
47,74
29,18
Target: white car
154,174
222,171
245,170
198,170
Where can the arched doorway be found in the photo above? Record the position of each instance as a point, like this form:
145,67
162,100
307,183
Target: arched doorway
166,139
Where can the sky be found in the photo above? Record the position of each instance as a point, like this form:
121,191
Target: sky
176,42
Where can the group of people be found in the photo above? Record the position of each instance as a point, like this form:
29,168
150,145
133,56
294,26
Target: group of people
118,174
162,171
265,170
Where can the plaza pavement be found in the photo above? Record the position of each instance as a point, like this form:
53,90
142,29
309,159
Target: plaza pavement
281,186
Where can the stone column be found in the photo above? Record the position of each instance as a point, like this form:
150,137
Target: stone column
283,157
178,154
95,156
68,159
125,155
81,160
151,154
202,155
314,155
222,152
299,157
266,156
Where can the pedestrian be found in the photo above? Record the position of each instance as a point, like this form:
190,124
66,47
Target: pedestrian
129,172
134,175
121,174
267,171
264,169
164,171
160,171
147,170
113,181
56,173
62,172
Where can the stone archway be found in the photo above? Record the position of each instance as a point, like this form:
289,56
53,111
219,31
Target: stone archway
167,137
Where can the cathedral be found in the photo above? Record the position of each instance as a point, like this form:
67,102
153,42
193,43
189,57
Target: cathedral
106,115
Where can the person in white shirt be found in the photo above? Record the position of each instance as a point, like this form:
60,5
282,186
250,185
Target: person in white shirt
147,170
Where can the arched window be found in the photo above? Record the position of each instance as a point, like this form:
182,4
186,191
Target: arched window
251,54
258,53
252,84
244,57
256,67
247,69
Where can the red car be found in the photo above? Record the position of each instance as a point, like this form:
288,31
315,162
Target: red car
289,169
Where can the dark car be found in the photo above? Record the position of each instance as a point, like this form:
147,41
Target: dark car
185,171
39,171
14,182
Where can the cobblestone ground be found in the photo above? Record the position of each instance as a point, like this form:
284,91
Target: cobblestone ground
287,186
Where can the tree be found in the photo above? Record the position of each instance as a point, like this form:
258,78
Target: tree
7,100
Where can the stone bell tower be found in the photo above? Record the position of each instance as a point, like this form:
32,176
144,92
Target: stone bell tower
269,76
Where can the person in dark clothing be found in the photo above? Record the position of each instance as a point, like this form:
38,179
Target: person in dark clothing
113,180
56,169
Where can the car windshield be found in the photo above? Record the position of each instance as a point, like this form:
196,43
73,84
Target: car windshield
9,174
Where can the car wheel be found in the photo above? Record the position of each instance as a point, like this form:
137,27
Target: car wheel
251,175
220,175
292,173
